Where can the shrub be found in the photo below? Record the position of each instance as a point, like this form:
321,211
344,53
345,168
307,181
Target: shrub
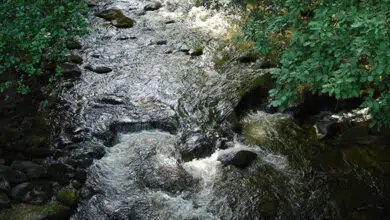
33,33
340,48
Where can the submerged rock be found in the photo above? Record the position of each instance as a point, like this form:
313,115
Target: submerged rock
161,42
98,69
112,100
240,159
153,6
102,69
117,18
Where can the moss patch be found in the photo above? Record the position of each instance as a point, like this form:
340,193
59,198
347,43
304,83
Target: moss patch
68,197
75,59
36,212
117,18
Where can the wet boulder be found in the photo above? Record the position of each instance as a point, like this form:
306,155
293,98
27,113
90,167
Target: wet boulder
12,176
98,69
161,42
153,6
198,145
117,18
31,169
102,69
72,44
111,100
34,192
75,59
70,70
240,159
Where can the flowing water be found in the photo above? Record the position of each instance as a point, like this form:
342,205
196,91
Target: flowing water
162,113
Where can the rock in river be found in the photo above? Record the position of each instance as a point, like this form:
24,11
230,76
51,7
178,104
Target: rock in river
153,6
70,70
31,169
117,18
98,69
72,44
240,159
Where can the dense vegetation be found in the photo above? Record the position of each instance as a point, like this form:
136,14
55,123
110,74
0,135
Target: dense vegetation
339,48
33,34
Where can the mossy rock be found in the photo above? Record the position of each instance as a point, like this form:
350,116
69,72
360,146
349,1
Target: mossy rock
51,210
68,197
280,134
102,69
73,44
262,128
98,69
196,51
153,6
117,18
75,59
265,81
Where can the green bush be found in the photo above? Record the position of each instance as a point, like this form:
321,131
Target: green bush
33,33
340,48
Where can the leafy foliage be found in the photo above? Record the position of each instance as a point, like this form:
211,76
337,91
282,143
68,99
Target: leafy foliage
33,33
340,48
